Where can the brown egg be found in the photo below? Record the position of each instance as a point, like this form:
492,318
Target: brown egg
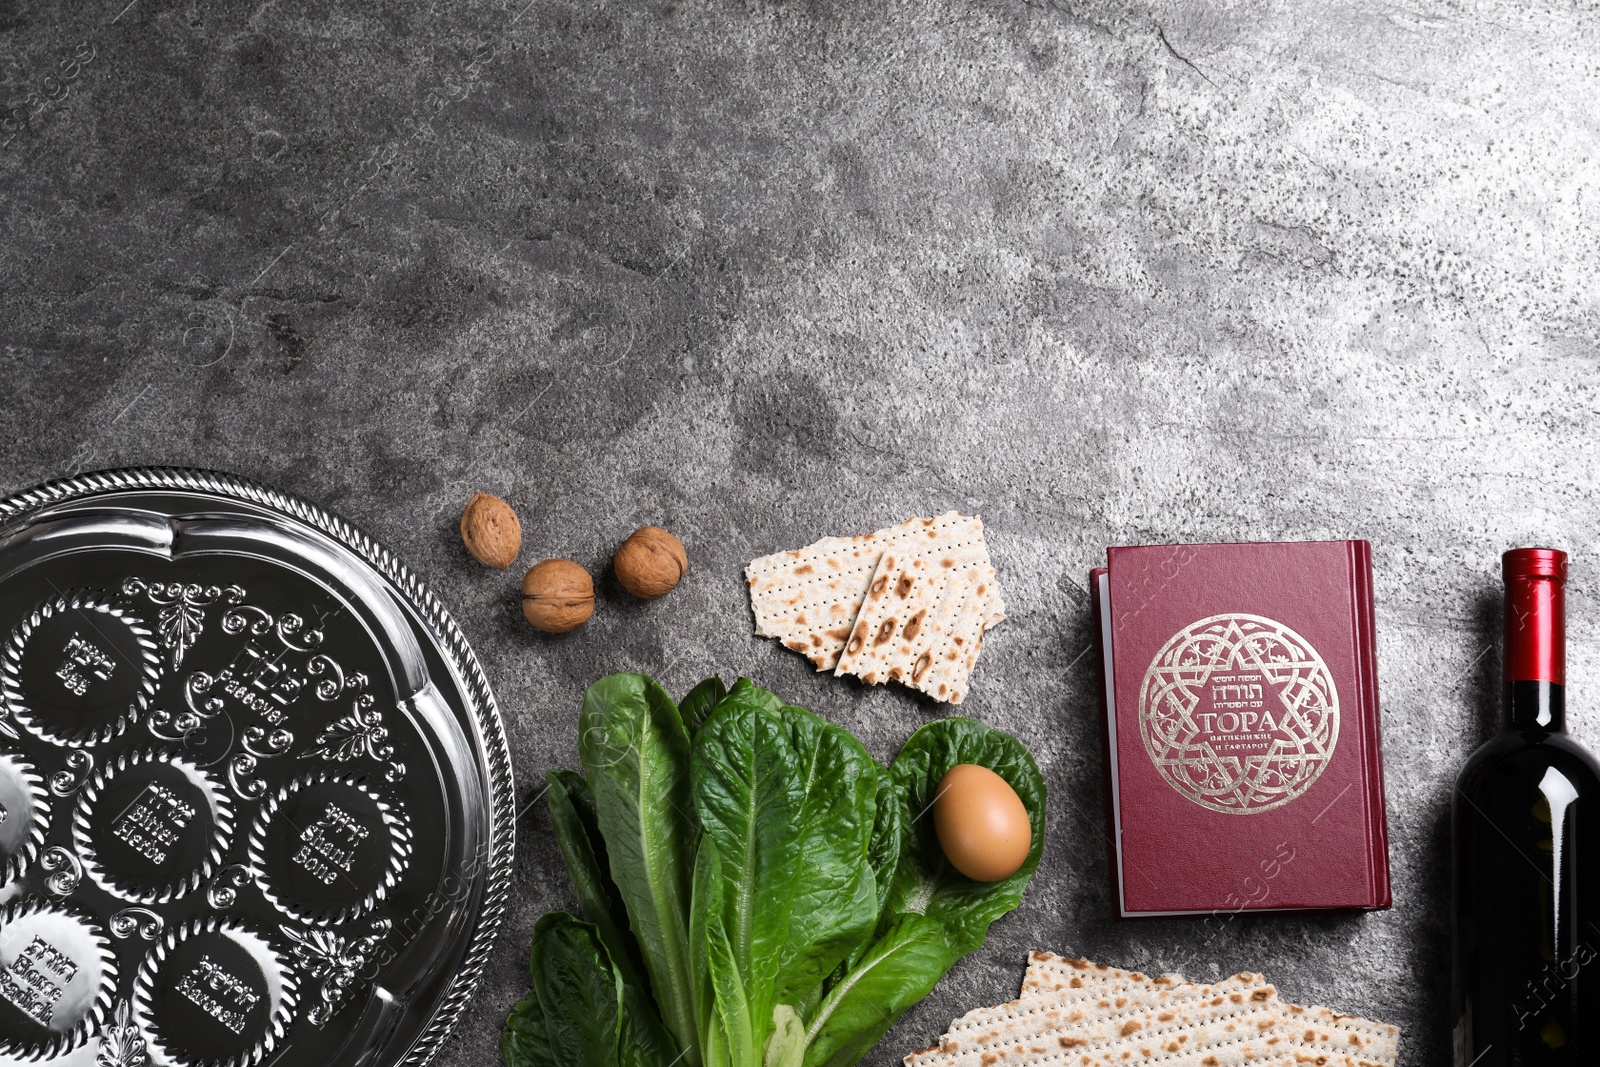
982,825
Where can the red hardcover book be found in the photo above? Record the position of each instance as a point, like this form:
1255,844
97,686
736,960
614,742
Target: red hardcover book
1240,728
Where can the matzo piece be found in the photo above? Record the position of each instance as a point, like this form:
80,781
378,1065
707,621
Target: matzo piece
1097,1013
1214,1032
930,600
1070,1009
1073,1003
1323,1028
808,597
1224,1030
1112,995
1067,1011
1048,973
914,616
1380,1042
1075,1008
953,532
1376,1042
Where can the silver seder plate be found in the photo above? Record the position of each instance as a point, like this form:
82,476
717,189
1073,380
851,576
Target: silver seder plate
255,798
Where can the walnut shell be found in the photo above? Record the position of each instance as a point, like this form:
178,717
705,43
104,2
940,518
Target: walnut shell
650,562
491,531
557,596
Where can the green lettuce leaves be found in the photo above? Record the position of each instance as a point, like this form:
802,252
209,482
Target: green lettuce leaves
924,882
635,754
583,1012
931,915
787,801
755,889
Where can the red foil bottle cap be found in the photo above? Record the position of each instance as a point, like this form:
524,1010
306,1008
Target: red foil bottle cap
1536,625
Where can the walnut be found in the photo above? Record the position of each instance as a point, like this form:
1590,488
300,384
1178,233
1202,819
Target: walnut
491,531
650,562
557,596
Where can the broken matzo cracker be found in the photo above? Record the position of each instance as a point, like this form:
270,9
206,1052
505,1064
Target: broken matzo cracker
930,600
1069,1011
808,597
1373,1041
1097,1012
1091,1019
1148,1025
1068,983
1324,1028
1213,1032
1048,972
913,615
1077,1011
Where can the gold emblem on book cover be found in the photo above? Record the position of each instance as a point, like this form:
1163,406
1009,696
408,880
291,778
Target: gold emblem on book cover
1239,713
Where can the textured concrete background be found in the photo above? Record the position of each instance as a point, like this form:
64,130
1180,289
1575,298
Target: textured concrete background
1106,272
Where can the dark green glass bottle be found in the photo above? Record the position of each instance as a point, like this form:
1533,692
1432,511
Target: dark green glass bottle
1526,843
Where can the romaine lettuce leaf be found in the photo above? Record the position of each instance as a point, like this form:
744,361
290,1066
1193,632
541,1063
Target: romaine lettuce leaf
635,755
788,801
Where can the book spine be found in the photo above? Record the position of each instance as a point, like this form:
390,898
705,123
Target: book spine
1107,793
1371,721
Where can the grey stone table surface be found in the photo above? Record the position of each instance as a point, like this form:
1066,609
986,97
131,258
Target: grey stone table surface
1107,272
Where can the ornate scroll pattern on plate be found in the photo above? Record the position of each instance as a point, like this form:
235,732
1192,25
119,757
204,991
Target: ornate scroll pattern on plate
359,734
69,779
1239,713
136,921
180,610
121,1044
276,663
63,870
337,961
223,892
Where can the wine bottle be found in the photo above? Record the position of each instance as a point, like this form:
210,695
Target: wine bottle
1525,832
